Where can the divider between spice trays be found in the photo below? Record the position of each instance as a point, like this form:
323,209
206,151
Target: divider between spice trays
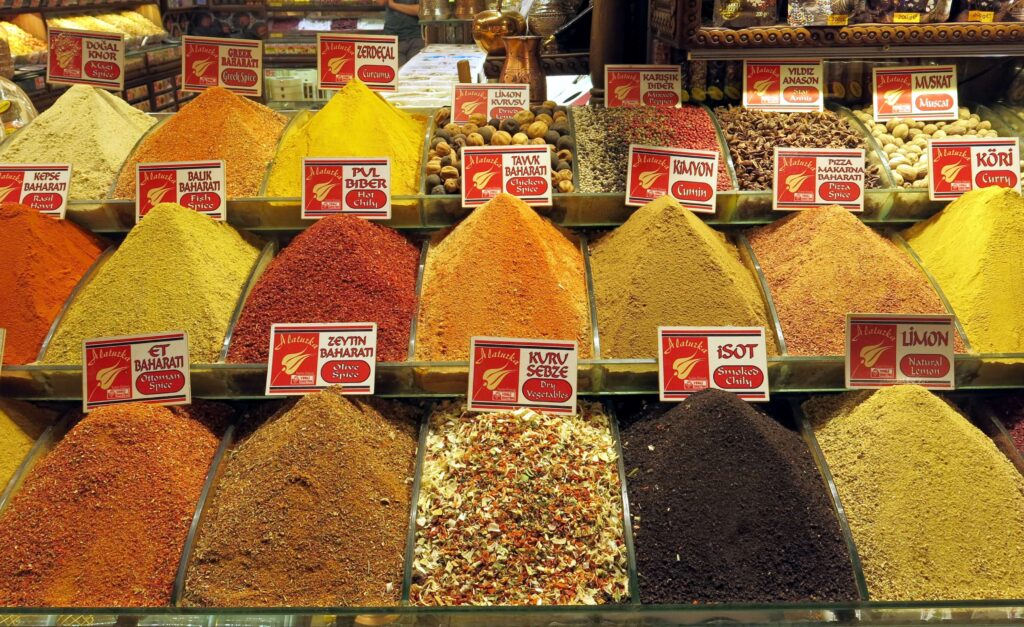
980,410
727,205
627,517
47,440
417,483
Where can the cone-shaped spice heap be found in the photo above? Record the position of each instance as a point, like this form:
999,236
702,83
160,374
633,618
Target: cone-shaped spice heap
503,272
665,267
728,506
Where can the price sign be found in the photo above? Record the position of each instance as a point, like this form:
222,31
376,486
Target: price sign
43,187
920,92
784,85
198,185
647,85
234,64
732,359
373,59
310,357
805,178
353,185
151,368
959,165
689,176
890,349
523,171
509,373
492,100
82,57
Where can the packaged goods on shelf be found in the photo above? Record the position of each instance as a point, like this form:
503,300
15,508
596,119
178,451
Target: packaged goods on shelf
745,13
821,12
903,11
479,282
87,127
22,43
312,509
936,509
21,425
176,270
729,507
519,508
991,11
342,269
665,267
44,259
217,124
973,249
823,263
101,520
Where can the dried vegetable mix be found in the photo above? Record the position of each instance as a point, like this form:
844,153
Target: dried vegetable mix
102,519
21,425
43,260
519,508
664,267
312,509
341,269
936,509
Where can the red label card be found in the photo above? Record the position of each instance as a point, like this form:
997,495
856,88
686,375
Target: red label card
959,165
493,100
636,85
373,59
197,185
920,92
234,64
150,368
733,359
82,57
310,357
689,176
811,177
523,171
41,186
508,373
354,185
884,350
784,85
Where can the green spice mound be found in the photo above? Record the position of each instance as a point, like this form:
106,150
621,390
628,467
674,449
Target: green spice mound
936,510
176,270
665,267
519,508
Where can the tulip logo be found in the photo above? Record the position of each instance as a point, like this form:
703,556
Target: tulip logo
291,362
795,181
649,178
684,366
199,67
869,355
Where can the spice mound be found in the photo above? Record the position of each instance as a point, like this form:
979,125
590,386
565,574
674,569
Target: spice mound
823,263
519,508
480,280
356,122
728,506
216,125
1009,409
341,269
44,261
665,267
87,127
936,510
177,269
101,520
312,509
604,136
753,136
972,248
21,425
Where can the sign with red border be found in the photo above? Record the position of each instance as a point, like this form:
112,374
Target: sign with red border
523,171
732,359
805,178
915,92
83,57
198,185
642,85
888,349
307,358
689,176
151,368
42,186
509,373
783,85
491,99
234,64
373,59
959,165
358,186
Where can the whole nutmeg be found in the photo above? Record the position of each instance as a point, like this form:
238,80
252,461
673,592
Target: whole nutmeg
520,139
437,190
523,117
475,139
452,186
433,166
510,126
545,118
501,138
551,137
537,129
441,116
453,128
479,119
449,172
566,142
566,187
565,155
443,148
433,181
469,127
487,132
459,141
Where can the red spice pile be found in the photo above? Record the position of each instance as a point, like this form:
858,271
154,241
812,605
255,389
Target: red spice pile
342,269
